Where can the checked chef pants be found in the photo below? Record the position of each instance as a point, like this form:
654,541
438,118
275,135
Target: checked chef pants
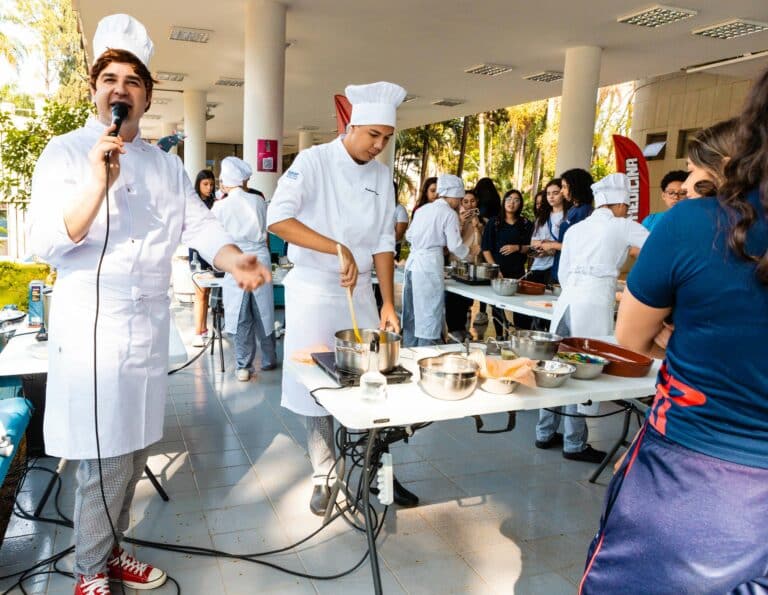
93,535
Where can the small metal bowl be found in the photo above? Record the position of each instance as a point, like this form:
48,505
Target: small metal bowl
503,286
587,366
552,373
449,377
498,386
535,344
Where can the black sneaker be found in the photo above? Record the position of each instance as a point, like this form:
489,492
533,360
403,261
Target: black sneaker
555,440
588,455
403,497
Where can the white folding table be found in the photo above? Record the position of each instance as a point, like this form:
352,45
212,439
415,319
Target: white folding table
406,405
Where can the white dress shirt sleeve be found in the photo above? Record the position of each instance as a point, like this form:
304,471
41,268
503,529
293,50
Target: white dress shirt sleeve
386,229
453,239
55,183
636,234
293,188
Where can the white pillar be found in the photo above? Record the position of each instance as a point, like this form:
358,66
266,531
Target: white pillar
166,129
305,139
194,129
577,111
263,92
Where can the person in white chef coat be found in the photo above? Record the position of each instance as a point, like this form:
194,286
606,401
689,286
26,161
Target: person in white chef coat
248,315
336,194
435,227
594,251
122,249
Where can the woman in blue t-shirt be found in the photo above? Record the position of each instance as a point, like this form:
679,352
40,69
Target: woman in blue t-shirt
685,510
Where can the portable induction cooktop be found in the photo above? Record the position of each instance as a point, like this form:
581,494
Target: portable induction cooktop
327,361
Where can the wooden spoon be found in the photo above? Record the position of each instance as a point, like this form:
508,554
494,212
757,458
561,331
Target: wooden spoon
358,336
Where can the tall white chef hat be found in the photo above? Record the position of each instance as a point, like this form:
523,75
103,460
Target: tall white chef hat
375,103
122,32
450,186
613,189
234,171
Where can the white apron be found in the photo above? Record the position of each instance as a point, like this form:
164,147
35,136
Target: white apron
132,354
585,307
428,290
233,297
315,309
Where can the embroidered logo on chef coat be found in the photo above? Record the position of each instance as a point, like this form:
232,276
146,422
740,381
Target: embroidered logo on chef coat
371,190
292,174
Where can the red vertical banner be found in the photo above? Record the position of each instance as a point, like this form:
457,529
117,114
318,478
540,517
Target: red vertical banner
631,161
266,155
343,112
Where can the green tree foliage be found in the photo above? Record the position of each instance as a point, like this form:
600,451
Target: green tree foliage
23,144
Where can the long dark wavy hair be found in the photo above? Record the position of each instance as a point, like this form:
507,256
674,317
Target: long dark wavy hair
488,198
546,209
501,218
579,186
747,170
423,196
710,149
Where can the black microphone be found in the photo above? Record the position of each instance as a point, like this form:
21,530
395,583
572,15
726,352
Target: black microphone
119,112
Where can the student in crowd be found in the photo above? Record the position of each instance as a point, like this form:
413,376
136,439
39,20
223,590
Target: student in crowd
593,253
472,224
401,224
205,188
708,153
672,192
699,466
577,190
546,232
506,241
435,227
427,195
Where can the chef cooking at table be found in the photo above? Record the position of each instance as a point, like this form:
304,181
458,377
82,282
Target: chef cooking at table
337,194
594,251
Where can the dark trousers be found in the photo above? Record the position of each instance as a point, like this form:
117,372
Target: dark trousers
456,310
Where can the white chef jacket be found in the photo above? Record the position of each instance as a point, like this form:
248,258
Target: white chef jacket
152,208
593,252
326,190
244,216
436,225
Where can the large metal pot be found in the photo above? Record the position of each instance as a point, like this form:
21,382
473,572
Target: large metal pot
486,271
535,344
352,356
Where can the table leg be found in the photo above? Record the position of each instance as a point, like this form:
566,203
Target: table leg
338,483
369,530
622,441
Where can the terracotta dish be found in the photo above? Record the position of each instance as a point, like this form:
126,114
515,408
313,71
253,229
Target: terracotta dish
530,288
621,362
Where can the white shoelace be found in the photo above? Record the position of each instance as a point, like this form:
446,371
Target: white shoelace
128,562
98,585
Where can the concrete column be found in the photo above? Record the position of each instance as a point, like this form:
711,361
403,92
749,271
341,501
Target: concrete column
194,128
166,129
305,139
263,92
577,112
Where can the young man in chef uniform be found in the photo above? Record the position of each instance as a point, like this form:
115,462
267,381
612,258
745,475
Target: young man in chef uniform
435,227
337,194
152,208
248,315
594,251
